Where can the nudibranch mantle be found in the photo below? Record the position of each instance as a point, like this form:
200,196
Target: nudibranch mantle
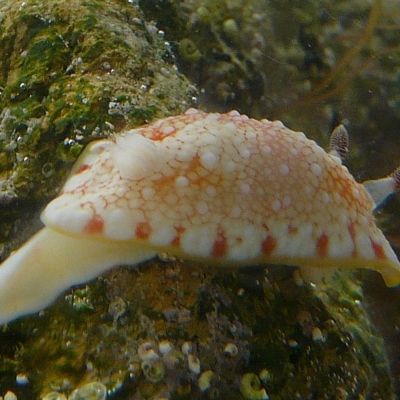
222,188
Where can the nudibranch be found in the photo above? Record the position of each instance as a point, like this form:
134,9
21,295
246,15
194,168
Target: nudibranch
219,188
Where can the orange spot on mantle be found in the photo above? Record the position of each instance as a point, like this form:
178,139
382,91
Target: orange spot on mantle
268,245
378,250
352,233
156,134
322,245
220,247
82,168
143,230
95,225
177,239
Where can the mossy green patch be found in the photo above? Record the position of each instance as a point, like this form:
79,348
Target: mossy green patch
55,86
142,115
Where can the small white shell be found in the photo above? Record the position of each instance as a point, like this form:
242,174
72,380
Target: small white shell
22,379
251,389
194,364
187,348
92,390
10,396
317,335
264,375
204,381
292,343
146,352
165,347
231,350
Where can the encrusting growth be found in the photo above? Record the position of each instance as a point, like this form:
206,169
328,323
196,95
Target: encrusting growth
220,188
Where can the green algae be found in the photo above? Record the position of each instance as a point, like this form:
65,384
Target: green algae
61,70
266,324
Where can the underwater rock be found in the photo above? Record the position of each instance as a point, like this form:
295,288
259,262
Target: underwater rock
256,311
257,321
71,73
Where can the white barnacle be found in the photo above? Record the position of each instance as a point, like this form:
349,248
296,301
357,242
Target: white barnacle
204,381
250,387
187,347
146,352
92,390
231,350
193,364
317,335
165,347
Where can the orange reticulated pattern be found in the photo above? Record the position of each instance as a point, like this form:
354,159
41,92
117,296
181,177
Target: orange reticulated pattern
220,186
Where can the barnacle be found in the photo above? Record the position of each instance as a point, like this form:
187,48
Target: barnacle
153,370
188,51
90,391
204,381
250,387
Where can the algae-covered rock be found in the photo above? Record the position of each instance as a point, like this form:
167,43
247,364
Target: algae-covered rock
71,72
75,71
185,331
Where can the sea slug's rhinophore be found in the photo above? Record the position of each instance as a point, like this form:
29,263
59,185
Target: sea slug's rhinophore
221,188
